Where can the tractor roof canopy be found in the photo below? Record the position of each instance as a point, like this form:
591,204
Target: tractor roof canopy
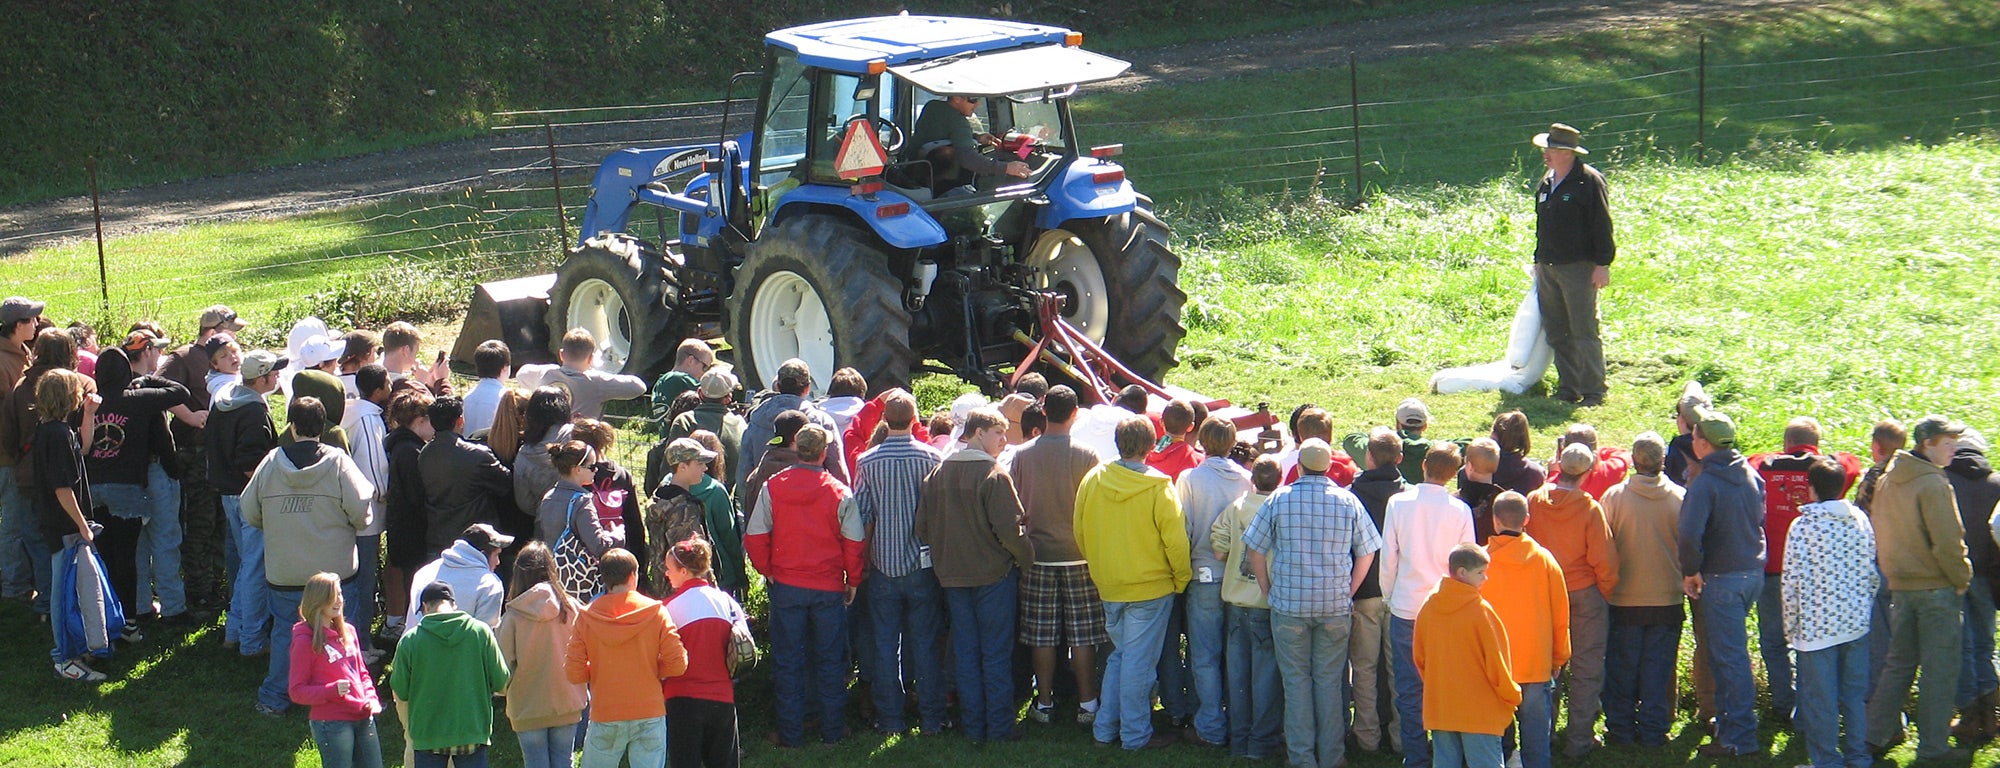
851,45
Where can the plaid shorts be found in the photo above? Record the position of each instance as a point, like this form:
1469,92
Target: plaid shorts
1060,608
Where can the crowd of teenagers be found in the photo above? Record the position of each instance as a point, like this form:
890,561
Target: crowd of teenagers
946,568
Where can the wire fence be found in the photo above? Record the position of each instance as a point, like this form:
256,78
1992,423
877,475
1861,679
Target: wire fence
417,250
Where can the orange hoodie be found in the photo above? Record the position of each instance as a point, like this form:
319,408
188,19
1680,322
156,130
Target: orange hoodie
1460,650
1525,587
623,647
1570,524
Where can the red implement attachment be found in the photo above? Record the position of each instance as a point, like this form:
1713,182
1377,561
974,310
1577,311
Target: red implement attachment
1065,348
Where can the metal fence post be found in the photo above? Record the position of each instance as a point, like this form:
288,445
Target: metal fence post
97,216
1354,99
555,173
1701,101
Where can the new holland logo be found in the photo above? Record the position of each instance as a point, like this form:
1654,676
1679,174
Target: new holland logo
680,161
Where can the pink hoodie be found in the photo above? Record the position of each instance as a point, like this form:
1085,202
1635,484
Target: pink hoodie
316,670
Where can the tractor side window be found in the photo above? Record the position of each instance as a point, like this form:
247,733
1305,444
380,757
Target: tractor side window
1038,118
832,110
783,142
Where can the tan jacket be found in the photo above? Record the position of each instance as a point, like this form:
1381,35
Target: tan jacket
1919,540
1644,515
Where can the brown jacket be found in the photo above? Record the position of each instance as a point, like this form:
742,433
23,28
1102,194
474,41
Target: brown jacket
13,364
970,516
1919,540
1047,473
1644,514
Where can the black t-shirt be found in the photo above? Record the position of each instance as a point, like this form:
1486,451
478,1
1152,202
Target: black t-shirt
122,448
58,464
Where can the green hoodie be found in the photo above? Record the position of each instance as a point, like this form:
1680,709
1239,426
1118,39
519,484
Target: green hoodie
725,533
448,669
1130,528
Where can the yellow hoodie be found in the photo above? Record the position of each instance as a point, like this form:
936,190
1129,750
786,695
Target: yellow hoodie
1130,529
1460,650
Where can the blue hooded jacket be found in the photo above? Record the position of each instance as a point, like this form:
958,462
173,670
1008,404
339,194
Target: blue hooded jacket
1722,520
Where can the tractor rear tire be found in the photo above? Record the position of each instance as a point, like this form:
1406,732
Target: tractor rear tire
1141,274
819,289
618,287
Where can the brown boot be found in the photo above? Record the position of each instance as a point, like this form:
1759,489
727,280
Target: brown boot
1989,709
1968,727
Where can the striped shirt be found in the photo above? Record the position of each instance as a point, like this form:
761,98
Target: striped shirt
888,478
1310,532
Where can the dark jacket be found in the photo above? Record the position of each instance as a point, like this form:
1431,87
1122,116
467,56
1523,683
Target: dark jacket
1722,518
464,483
1573,219
403,501
1680,453
122,448
1479,497
1977,490
1374,487
238,434
758,429
189,367
1519,474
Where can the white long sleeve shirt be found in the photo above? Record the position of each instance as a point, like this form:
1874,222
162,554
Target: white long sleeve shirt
1419,529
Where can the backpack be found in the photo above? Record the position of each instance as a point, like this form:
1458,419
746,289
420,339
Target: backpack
673,519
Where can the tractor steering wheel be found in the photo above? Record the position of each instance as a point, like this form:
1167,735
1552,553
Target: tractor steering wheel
896,135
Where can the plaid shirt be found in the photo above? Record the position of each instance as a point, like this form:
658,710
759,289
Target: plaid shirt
887,480
1310,532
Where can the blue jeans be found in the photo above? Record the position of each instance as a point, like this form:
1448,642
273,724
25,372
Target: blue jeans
1176,683
1205,631
432,760
249,623
1639,681
1726,602
24,556
160,544
284,606
982,639
1409,692
1534,725
1977,675
361,601
861,636
1256,694
344,743
1833,690
1771,644
548,747
1312,655
1472,750
641,742
1925,633
1125,708
905,612
809,651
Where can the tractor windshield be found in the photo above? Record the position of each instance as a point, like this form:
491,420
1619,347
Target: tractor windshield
1039,119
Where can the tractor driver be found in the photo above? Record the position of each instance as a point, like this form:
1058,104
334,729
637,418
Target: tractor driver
944,136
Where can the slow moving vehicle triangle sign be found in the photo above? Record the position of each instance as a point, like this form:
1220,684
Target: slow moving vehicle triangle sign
861,152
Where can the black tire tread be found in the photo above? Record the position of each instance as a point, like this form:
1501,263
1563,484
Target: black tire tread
871,328
639,272
1142,272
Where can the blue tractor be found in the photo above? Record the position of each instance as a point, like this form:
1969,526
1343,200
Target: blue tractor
834,232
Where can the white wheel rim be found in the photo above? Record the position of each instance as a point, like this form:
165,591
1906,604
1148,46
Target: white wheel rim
594,306
1063,263
787,320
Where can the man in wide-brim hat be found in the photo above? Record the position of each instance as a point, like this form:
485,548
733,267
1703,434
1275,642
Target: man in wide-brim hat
1573,253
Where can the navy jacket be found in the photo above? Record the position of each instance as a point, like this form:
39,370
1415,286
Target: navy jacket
1722,520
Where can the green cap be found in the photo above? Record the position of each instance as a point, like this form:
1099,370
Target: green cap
1715,426
1932,426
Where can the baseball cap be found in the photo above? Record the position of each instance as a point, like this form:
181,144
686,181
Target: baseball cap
1715,426
436,591
139,340
786,426
717,383
258,362
1971,438
1692,396
215,342
1576,459
223,317
16,308
794,370
485,537
685,449
1315,455
317,350
1932,426
1412,413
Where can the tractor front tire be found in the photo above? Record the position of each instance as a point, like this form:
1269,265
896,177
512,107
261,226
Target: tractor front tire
1141,273
819,289
617,287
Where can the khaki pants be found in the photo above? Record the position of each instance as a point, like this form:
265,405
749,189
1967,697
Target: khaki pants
1368,658
1589,626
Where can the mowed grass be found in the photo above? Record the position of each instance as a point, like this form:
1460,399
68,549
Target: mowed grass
1789,283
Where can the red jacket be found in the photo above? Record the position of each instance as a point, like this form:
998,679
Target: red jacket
1175,459
1786,489
1613,464
1341,471
805,531
854,441
705,616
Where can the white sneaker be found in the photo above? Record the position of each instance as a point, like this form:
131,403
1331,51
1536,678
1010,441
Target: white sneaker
75,670
1042,713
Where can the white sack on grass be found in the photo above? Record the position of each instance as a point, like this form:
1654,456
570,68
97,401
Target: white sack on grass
1528,357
